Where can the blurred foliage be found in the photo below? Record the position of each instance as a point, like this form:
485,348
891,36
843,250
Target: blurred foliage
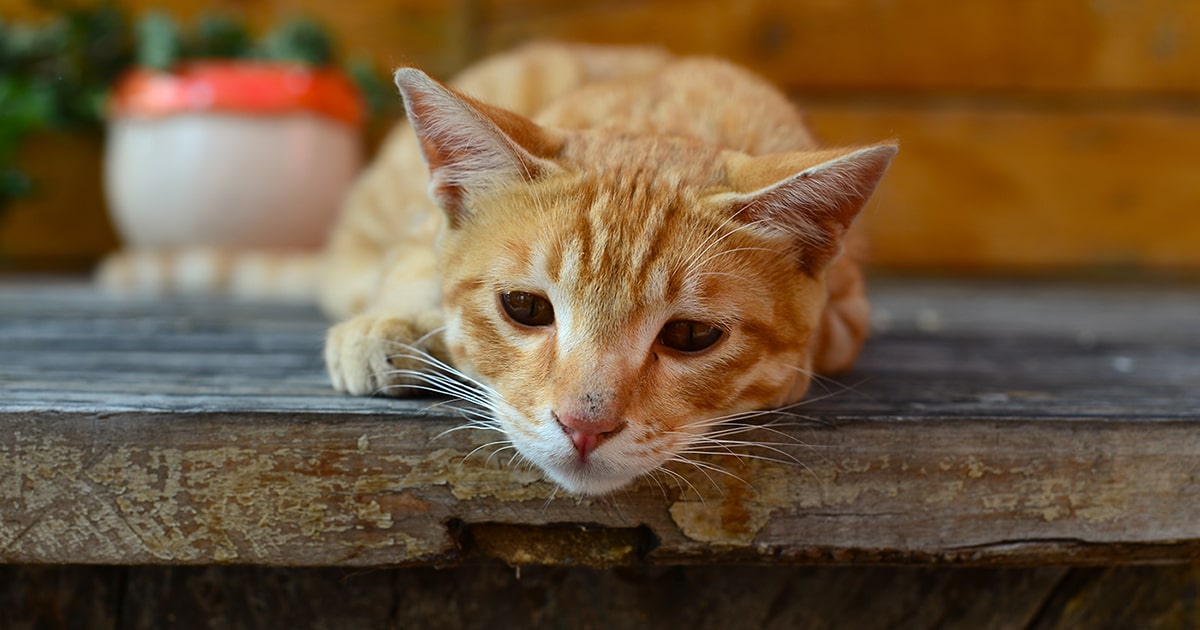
56,75
299,40
161,43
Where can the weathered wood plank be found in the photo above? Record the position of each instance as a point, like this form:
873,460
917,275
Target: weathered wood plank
1069,46
1010,425
434,33
1073,148
64,223
495,596
1066,46
488,596
1124,597
1028,189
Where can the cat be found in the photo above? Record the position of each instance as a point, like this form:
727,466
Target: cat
611,250
617,248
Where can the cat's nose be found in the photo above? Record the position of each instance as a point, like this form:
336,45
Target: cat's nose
587,433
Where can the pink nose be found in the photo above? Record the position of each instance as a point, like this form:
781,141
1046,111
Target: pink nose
587,433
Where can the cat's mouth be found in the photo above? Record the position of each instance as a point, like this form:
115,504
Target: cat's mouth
587,436
601,471
590,477
581,463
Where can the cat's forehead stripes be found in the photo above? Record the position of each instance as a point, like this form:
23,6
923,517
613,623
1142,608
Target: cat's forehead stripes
617,232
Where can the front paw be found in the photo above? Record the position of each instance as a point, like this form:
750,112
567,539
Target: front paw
376,354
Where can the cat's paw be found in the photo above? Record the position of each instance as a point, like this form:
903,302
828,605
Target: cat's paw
375,354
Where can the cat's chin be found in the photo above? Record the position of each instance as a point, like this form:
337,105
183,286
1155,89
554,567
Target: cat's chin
600,474
545,445
587,479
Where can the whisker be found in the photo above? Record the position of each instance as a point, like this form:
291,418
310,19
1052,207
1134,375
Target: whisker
652,476
790,461
698,253
741,249
704,467
463,427
766,446
481,447
734,428
442,385
722,273
423,338
425,358
731,422
680,479
488,461
477,417
550,499
438,390
713,482
827,382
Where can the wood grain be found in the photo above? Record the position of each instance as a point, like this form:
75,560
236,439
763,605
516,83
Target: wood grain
1105,47
432,33
1029,190
992,45
63,223
1004,425
1036,138
490,595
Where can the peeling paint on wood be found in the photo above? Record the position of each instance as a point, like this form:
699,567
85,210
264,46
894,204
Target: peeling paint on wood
1000,437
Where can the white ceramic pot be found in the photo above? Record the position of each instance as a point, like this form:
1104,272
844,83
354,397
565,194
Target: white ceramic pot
230,155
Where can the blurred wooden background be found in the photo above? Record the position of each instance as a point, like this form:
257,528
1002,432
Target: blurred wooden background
1037,137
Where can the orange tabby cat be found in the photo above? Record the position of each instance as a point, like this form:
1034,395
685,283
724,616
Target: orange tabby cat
618,248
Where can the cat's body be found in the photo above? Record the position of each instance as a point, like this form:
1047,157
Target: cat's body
633,249
650,245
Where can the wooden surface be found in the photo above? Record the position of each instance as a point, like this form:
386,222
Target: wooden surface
64,223
1036,138
1026,190
1071,45
701,597
996,424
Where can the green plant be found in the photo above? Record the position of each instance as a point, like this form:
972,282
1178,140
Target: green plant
161,44
57,75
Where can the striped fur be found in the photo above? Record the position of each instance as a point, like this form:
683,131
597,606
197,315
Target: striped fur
630,189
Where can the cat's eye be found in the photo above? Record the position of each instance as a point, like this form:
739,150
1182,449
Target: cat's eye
527,309
689,336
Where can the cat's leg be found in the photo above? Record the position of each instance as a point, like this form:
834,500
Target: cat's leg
845,321
380,350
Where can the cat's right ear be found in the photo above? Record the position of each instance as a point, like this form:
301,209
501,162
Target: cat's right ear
470,146
811,196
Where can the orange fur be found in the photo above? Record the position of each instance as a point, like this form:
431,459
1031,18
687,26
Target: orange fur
629,189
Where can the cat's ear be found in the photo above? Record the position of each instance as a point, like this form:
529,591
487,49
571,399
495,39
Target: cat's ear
470,146
812,197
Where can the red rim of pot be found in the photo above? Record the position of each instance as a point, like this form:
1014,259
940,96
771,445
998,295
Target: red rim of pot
246,87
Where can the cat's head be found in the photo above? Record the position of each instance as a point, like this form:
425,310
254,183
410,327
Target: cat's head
622,294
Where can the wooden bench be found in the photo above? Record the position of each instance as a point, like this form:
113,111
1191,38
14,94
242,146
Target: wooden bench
997,425
987,425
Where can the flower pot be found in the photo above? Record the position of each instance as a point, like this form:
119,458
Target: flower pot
231,155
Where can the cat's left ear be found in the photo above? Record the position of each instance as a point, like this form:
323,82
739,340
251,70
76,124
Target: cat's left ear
471,146
813,197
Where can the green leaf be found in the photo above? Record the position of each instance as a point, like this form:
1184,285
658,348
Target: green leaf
219,36
380,95
159,44
299,40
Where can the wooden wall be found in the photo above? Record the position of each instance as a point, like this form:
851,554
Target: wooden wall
1037,137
